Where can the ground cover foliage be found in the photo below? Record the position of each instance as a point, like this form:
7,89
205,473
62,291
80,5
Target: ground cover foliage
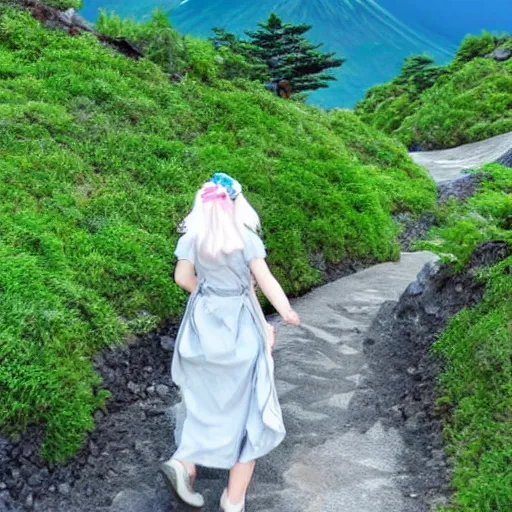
428,106
100,157
476,387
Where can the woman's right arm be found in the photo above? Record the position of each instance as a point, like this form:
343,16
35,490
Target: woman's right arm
185,275
273,291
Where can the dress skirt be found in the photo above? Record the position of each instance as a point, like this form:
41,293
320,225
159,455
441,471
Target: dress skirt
229,411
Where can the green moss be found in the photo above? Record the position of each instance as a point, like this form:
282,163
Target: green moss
475,104
477,348
100,157
65,4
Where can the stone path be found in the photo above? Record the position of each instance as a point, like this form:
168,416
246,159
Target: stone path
337,456
447,164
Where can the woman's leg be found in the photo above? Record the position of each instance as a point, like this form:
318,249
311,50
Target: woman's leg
239,480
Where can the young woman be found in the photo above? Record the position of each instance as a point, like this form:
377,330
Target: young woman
222,359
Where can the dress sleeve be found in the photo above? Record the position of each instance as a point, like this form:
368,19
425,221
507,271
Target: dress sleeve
185,249
253,247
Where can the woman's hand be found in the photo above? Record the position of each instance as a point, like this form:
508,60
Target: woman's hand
291,317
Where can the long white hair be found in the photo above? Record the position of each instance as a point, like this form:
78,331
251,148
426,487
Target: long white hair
218,222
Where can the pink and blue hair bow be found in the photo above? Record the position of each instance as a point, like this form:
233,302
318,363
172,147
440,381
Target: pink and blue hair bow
231,185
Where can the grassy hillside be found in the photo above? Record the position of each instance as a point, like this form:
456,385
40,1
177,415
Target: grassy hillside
99,160
470,100
477,347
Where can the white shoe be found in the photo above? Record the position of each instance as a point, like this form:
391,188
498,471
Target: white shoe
228,507
180,482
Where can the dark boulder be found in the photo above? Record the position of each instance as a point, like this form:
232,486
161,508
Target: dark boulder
500,54
506,159
462,188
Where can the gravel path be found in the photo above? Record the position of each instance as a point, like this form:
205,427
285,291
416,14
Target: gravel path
447,164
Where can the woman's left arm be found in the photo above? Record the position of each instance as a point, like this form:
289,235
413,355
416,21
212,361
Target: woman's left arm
271,331
185,275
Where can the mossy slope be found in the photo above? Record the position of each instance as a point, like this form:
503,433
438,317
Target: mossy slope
471,99
99,160
476,386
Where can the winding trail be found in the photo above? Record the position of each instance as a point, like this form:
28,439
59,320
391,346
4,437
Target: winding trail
447,164
339,455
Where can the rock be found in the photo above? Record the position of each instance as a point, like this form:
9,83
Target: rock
134,388
415,288
162,390
150,390
506,159
27,451
432,310
413,228
15,452
64,489
489,253
93,448
167,343
67,16
500,54
29,501
462,188
98,416
35,480
144,448
134,501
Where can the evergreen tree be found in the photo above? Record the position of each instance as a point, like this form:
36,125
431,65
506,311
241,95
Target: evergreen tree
290,56
418,73
241,58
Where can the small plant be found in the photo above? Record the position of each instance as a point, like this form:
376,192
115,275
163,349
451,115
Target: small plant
65,4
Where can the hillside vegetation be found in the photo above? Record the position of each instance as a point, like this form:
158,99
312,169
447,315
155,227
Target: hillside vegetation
430,106
476,386
100,157
362,31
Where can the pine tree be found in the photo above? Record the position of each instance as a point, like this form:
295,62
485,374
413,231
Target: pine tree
246,63
418,73
290,56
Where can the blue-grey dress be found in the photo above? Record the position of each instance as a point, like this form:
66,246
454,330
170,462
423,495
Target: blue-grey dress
229,411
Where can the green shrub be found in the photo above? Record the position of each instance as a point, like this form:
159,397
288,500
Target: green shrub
156,37
65,4
101,157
